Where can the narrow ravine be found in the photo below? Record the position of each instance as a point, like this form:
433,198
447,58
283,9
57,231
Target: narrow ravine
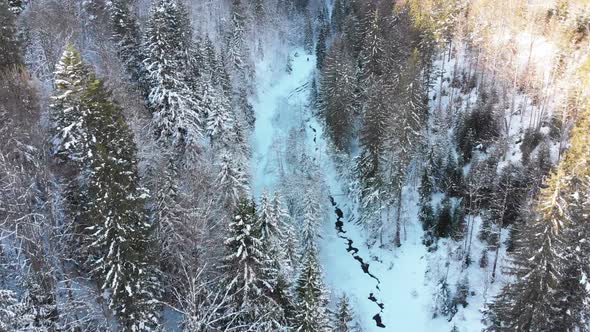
280,106
339,225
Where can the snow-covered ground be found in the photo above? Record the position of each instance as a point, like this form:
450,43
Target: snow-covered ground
279,106
401,273
400,280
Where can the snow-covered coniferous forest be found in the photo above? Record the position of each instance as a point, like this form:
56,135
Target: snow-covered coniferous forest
295,165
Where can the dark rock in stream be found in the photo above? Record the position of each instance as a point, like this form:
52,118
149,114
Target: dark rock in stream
377,319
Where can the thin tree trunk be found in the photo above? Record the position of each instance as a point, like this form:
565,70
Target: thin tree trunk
499,237
397,239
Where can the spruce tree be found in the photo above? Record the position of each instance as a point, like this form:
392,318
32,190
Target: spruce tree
289,238
549,262
113,225
126,34
10,53
270,223
259,11
308,40
426,213
18,316
373,53
244,277
71,141
338,97
343,318
461,292
339,13
231,182
273,231
219,117
236,48
311,220
320,46
442,303
69,116
289,67
120,234
176,114
444,222
168,212
370,163
311,313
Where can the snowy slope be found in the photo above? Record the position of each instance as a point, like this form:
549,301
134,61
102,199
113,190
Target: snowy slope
279,106
397,284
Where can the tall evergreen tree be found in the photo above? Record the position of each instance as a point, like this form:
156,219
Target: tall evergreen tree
244,265
311,221
236,47
177,115
343,318
71,140
320,46
115,230
371,161
259,11
547,295
289,237
311,314
120,234
10,53
308,40
339,13
373,52
338,96
232,182
126,34
168,213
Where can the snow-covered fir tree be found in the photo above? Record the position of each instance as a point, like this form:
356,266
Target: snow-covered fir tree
308,36
372,55
232,181
115,232
126,34
343,317
337,102
311,313
177,116
320,45
542,258
119,232
10,52
311,222
442,303
14,315
235,46
289,237
245,269
169,213
69,115
468,118
220,119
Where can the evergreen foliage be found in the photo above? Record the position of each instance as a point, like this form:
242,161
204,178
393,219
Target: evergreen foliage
115,231
10,52
177,116
126,34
